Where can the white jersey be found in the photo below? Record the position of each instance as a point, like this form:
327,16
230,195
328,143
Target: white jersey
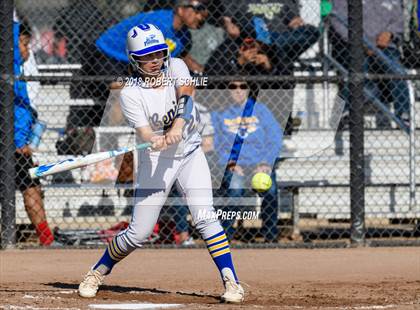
155,107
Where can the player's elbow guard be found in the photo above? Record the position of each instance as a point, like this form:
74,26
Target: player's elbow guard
184,108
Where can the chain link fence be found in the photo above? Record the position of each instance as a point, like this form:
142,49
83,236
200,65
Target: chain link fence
332,122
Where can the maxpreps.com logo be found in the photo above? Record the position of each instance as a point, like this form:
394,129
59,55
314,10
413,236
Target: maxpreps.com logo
151,40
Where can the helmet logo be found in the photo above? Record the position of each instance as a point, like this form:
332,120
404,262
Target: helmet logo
144,27
134,33
151,39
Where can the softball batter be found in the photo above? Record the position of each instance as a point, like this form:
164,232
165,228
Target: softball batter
165,116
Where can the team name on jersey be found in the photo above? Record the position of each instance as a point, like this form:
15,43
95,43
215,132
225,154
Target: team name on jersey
165,122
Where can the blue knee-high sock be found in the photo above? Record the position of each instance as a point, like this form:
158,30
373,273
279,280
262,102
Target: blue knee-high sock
112,255
219,250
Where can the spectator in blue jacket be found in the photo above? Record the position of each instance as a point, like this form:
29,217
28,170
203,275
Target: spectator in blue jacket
174,24
248,139
23,122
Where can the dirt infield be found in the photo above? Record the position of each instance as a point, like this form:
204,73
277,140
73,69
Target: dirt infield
364,278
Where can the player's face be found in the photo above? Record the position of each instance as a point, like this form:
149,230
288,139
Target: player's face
194,16
239,92
24,46
152,63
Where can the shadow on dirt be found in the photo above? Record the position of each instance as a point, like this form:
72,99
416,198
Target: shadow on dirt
127,289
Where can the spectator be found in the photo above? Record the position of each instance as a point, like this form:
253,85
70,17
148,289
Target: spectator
214,7
240,52
23,122
259,138
276,23
173,23
383,26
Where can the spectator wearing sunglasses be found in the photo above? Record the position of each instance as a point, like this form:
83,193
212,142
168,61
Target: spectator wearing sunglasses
257,138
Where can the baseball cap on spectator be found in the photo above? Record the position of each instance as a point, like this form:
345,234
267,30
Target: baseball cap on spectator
215,9
199,8
197,5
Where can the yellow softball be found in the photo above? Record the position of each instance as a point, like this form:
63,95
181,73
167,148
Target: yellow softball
261,182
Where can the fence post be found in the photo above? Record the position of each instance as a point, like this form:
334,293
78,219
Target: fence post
7,149
357,163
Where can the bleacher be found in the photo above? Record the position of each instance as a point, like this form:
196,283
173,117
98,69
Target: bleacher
319,184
